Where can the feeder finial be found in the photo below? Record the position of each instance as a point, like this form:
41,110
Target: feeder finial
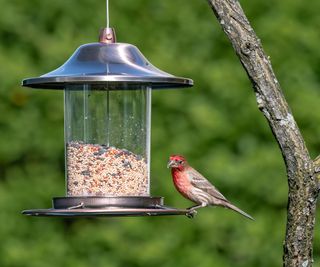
107,36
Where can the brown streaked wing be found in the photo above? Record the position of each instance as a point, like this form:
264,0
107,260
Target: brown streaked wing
198,181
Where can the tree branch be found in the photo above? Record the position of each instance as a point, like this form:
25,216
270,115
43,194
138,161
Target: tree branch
302,182
317,164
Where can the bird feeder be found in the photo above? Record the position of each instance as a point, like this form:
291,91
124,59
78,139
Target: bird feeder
107,109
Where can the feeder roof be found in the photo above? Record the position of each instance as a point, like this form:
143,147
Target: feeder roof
107,65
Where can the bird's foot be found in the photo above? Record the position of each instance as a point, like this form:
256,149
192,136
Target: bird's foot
191,213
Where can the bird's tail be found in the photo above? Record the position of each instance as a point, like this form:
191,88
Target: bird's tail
233,207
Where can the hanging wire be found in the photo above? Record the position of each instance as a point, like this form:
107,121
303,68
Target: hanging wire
108,97
107,11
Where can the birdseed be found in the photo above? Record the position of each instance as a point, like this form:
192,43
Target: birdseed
99,170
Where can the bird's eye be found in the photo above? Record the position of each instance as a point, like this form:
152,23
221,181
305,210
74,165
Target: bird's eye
180,161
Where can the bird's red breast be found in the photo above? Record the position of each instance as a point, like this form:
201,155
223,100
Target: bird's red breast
181,181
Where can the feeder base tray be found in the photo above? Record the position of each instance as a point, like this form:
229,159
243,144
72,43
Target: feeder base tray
106,206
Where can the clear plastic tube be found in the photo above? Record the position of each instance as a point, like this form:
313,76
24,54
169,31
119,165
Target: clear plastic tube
107,141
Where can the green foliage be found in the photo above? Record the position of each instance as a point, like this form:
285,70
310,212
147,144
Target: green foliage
216,125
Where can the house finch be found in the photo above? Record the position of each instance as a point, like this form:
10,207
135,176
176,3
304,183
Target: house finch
193,186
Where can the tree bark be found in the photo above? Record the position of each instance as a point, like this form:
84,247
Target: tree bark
302,171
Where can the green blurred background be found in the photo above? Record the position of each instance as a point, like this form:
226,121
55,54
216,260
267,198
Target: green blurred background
216,125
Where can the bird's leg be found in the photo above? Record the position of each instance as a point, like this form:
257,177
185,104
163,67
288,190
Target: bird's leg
202,205
192,210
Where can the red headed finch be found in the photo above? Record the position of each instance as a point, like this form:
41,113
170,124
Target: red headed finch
193,186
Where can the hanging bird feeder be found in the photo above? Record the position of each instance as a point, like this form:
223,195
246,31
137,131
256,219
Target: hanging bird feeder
107,108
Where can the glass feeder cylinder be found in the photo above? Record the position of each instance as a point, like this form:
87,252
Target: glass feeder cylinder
107,141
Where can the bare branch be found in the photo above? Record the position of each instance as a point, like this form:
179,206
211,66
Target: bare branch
317,164
303,185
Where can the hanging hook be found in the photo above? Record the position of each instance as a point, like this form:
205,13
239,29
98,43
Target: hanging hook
107,35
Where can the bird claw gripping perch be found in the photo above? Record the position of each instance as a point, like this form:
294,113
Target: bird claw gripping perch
191,213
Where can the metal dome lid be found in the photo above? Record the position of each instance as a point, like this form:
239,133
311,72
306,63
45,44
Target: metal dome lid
107,64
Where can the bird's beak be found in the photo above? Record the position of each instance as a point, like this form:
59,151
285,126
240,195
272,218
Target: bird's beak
171,163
